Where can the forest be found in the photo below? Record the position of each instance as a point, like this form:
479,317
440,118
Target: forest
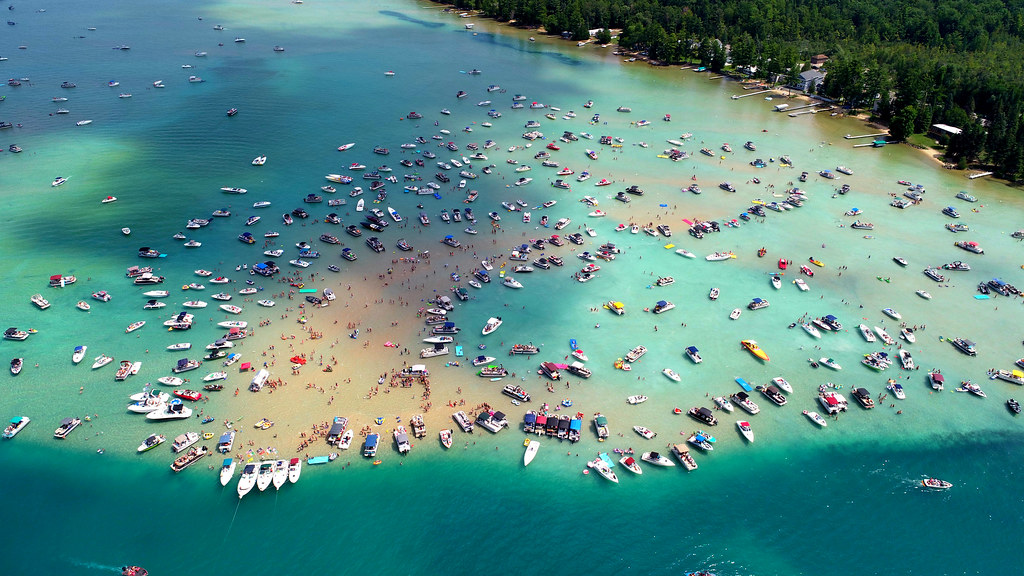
908,63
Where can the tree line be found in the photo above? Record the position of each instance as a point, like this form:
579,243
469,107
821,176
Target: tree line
910,63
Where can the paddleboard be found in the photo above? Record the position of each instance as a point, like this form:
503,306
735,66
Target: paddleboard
667,246
458,350
572,344
743,384
308,290
981,296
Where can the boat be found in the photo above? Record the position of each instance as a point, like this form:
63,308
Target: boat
884,336
830,363
638,399
294,470
631,464
645,432
227,470
968,386
17,424
174,410
671,374
183,442
248,479
702,414
656,459
694,354
752,347
603,468
65,428
892,313
446,437
134,326
492,324
280,474
683,454
532,446
265,475
936,484
816,418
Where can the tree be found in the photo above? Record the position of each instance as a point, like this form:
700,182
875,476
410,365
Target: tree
902,125
604,36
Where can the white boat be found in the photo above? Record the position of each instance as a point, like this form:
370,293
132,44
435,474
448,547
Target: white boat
630,464
603,469
184,441
735,313
816,418
723,403
637,399
830,363
214,376
745,429
17,424
512,282
892,313
148,404
492,325
645,432
908,334
801,284
280,474
151,442
266,303
811,329
656,459
174,410
265,475
671,374
776,282
783,384
248,479
345,442
227,471
231,309
531,451
866,333
240,324
194,304
180,346
102,360
884,336
924,294
156,293
78,354
685,253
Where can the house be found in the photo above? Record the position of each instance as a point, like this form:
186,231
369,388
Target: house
942,132
817,61
809,80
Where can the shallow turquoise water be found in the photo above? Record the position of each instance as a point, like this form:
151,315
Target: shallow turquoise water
800,500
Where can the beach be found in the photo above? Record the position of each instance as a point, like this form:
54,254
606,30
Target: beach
165,154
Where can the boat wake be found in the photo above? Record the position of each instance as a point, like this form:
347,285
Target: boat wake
96,566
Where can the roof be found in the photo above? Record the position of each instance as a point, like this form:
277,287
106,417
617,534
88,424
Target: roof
811,75
947,128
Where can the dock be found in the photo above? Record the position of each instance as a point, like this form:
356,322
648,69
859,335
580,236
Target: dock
849,137
738,96
805,109
875,144
978,175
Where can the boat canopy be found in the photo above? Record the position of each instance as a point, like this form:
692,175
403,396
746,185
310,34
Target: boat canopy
183,362
602,421
662,303
541,420
371,440
226,438
336,429
575,424
529,418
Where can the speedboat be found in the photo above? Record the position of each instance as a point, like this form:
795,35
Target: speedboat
816,418
16,425
603,469
247,480
492,324
630,464
671,374
532,446
78,354
830,363
656,459
745,429
936,484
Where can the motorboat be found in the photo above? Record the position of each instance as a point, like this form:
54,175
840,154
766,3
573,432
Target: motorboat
265,475
694,354
603,468
892,313
492,324
816,418
17,424
783,384
752,347
745,429
248,479
831,363
67,425
656,459
671,374
637,399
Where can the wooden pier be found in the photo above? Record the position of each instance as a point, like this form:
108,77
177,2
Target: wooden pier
738,96
849,137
